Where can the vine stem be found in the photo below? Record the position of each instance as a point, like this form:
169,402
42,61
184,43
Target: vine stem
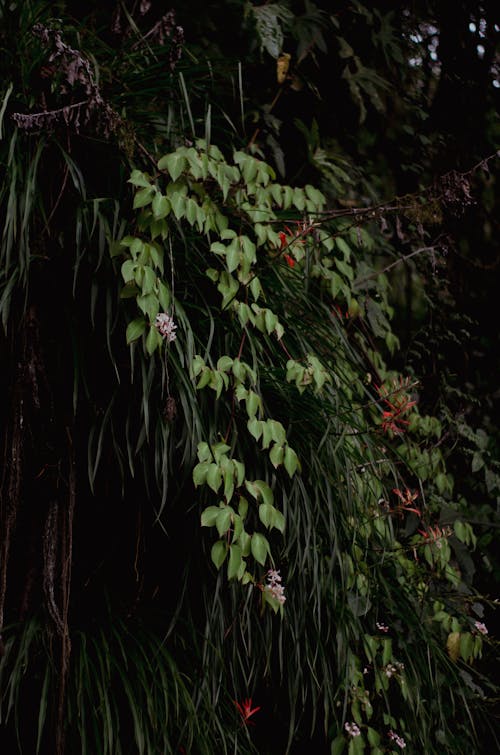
285,349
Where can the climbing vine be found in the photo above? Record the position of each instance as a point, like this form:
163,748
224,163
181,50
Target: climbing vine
259,235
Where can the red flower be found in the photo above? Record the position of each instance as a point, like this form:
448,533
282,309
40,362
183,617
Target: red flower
245,710
434,534
399,404
337,312
407,499
289,260
283,243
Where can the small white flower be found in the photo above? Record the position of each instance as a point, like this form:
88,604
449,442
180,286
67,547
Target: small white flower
352,729
166,326
382,627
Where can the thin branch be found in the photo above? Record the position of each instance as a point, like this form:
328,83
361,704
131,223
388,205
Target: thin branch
396,262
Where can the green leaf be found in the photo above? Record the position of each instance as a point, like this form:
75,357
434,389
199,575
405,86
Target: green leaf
214,477
279,521
266,514
217,248
245,314
249,169
237,522
243,507
153,341
149,304
460,531
137,178
276,455
203,451
223,520
279,330
270,320
338,745
234,564
373,737
212,274
255,288
345,269
209,516
299,199
228,475
315,196
343,247
135,329
200,473
336,284
260,489
206,376
290,461
255,427
287,196
252,404
259,548
164,295
197,365
160,206
136,247
128,270
238,369
224,364
174,164
143,198
387,651
129,291
249,249
217,383
149,280
466,645
218,553
477,462
356,746
191,211
267,434
245,542
277,431
233,257
219,450
441,482
156,255
178,203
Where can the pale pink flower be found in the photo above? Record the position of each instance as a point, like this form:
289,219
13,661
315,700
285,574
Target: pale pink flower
352,729
274,586
382,627
396,738
166,326
481,627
